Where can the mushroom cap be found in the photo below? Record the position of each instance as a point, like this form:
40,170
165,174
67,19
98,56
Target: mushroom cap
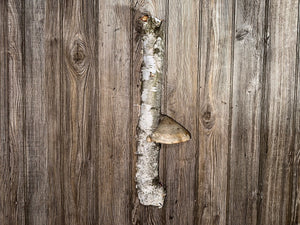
169,131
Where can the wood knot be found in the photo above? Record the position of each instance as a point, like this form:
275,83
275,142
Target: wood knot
78,57
78,54
207,117
241,33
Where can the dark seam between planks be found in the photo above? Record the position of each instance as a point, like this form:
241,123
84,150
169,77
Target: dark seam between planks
96,52
7,80
23,86
6,84
131,131
264,130
165,98
196,184
230,112
99,107
165,75
294,144
61,156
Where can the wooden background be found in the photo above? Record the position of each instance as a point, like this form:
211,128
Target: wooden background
69,104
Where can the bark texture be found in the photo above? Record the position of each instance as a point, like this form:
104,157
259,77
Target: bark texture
150,192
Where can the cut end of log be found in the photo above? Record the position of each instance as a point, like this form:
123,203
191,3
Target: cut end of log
169,132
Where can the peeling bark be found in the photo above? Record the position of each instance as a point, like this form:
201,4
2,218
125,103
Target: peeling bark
150,192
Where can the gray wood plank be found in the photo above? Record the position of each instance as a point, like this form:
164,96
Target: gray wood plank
294,210
277,129
69,106
181,96
115,115
142,214
53,72
35,139
295,203
246,112
5,200
216,32
11,113
79,120
294,217
4,149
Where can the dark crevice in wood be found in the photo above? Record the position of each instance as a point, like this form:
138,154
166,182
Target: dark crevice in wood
164,108
131,114
4,116
230,107
23,50
197,152
61,141
293,192
165,72
264,130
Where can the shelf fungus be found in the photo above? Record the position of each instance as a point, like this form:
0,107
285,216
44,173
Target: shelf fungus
169,131
154,128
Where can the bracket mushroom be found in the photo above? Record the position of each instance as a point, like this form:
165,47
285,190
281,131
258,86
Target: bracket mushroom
169,132
154,128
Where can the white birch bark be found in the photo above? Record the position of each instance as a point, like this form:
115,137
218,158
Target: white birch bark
150,192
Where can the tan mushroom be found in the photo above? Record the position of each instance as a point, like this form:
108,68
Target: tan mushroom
169,132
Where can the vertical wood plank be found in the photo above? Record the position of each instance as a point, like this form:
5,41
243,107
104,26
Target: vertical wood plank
79,120
295,203
215,98
53,59
5,201
115,115
182,85
295,176
11,82
35,139
278,123
142,214
246,111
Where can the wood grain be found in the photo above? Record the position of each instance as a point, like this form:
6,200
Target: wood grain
69,106
4,120
12,117
277,130
182,106
295,193
35,136
79,118
115,115
53,73
215,58
246,112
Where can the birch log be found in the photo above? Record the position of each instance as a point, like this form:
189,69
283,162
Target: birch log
150,192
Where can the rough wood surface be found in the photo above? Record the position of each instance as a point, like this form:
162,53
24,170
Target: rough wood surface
35,129
114,119
12,167
182,61
278,120
53,72
69,106
79,112
246,112
215,71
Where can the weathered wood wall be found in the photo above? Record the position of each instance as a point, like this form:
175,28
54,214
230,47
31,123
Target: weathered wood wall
69,104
